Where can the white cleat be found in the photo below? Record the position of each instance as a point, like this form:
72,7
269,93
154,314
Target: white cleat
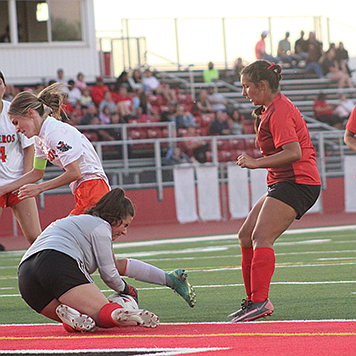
134,317
73,318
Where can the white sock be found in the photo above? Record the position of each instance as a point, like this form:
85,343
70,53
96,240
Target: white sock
145,272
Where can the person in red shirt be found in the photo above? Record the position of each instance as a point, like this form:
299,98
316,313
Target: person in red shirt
325,112
293,182
98,90
350,131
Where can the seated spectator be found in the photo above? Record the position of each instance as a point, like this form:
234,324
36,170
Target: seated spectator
325,112
145,111
170,113
98,90
125,105
216,100
85,98
80,82
107,102
237,68
285,54
67,109
333,72
344,107
301,47
183,118
115,133
135,80
176,156
219,125
74,94
235,122
122,81
203,104
152,85
194,149
315,51
210,74
105,115
90,116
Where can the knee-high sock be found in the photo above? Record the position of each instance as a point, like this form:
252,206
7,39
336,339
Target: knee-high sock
262,268
247,255
144,272
105,319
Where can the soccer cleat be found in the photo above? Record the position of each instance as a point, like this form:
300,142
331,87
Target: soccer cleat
254,311
73,319
134,317
244,304
182,287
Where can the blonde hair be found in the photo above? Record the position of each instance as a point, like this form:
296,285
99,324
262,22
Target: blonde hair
52,97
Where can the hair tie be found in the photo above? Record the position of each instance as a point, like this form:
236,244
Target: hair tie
272,65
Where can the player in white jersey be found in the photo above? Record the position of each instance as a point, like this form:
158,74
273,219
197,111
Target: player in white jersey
54,274
61,144
16,158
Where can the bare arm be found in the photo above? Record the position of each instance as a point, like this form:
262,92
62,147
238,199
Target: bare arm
350,140
29,154
290,153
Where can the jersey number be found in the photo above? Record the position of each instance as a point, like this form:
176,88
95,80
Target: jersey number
2,154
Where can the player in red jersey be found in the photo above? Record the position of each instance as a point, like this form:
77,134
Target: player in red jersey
350,131
293,182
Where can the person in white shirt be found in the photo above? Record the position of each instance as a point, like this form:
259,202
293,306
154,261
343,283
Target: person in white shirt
16,158
61,144
54,274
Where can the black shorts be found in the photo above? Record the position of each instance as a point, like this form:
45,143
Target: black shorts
301,197
47,275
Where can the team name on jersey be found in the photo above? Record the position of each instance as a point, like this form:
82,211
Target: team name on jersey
7,138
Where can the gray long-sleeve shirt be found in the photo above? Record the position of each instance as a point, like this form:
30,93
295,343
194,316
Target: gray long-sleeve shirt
87,239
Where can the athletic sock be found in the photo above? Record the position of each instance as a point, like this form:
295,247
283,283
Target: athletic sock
262,268
145,272
247,255
105,312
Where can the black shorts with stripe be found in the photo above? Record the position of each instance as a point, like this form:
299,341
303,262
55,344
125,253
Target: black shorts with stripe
47,275
301,197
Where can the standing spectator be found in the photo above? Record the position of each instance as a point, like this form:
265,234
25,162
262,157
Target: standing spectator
293,183
260,49
301,46
342,57
98,90
325,112
216,100
219,126
210,74
315,51
80,82
74,94
285,53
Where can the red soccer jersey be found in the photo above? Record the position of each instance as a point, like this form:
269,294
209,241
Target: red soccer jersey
351,123
282,123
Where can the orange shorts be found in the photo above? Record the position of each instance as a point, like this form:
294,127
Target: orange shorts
88,193
8,200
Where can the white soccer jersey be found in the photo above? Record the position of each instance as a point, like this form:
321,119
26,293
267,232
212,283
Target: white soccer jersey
62,144
87,239
12,145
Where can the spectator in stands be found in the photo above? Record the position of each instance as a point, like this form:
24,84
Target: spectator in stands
235,122
219,126
107,102
125,105
60,76
333,72
105,115
122,81
170,113
195,149
175,155
325,112
152,85
315,51
183,118
98,90
285,53
80,82
90,116
74,94
301,46
342,57
216,100
210,74
260,49
344,107
237,68
67,109
203,104
85,98
145,111
135,80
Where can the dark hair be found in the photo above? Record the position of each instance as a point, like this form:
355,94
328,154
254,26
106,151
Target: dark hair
113,207
262,70
2,77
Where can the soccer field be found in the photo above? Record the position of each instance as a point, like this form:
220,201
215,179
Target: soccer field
315,277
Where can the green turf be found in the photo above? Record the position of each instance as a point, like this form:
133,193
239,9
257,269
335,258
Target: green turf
315,279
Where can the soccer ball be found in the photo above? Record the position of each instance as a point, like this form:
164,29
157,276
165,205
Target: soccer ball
126,301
